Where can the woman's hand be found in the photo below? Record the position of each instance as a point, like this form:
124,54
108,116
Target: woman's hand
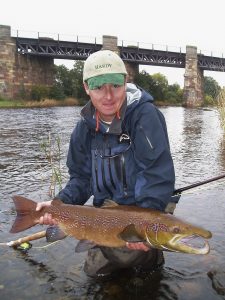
138,246
46,219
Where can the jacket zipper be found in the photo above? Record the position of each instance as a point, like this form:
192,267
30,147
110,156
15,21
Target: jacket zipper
104,180
96,174
103,171
147,139
110,170
123,169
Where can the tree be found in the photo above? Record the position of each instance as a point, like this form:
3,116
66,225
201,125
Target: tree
63,80
77,80
160,86
69,83
211,88
144,80
174,93
157,85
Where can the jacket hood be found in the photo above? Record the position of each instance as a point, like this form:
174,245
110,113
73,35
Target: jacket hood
136,96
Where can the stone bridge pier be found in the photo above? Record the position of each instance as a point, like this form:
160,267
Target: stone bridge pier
110,43
193,80
18,73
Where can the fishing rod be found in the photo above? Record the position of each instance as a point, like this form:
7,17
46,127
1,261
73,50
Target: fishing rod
181,190
23,243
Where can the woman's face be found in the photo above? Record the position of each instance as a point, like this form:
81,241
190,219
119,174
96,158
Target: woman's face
107,99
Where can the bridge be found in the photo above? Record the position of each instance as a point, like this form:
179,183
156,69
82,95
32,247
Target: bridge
29,61
80,51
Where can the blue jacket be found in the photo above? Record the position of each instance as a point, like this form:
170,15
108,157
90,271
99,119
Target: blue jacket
129,161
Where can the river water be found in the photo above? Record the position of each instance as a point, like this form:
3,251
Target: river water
56,272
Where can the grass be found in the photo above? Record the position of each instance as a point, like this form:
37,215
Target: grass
9,103
42,103
51,148
221,107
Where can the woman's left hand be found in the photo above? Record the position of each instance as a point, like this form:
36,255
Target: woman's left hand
138,246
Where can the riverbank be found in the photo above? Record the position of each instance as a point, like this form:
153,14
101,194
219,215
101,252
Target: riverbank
52,103
39,104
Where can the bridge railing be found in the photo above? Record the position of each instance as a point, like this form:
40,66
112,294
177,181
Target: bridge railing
56,36
91,39
212,53
121,43
152,46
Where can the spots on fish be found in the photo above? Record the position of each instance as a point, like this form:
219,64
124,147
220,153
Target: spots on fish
59,214
64,215
156,227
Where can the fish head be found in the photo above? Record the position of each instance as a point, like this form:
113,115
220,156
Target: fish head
172,234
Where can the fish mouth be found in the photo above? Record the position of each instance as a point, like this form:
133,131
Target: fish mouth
191,244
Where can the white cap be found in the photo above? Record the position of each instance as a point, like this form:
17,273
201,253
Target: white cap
103,62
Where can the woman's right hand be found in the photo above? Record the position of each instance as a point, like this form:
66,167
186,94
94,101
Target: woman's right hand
46,219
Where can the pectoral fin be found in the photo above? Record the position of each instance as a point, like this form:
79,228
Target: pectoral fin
84,245
130,234
54,233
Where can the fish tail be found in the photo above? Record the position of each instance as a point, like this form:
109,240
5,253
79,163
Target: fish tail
26,214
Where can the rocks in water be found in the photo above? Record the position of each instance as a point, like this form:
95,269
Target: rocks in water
218,281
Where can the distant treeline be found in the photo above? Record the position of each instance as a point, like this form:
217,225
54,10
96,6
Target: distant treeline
69,83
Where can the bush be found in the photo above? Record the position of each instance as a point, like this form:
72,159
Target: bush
1,98
39,92
221,107
209,100
56,92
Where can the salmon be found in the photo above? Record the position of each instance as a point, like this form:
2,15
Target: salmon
113,225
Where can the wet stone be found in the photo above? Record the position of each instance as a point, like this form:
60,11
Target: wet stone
218,281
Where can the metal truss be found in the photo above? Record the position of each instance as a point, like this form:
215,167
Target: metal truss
153,57
211,63
80,51
56,49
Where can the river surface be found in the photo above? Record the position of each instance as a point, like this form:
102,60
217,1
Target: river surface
56,272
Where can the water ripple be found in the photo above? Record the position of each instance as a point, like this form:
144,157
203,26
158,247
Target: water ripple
198,150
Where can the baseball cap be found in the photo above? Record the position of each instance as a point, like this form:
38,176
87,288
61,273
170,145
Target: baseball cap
102,67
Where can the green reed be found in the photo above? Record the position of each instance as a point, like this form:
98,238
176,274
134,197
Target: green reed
221,107
52,151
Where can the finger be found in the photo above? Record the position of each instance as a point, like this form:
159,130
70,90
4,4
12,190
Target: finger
138,246
39,206
41,220
54,222
145,248
48,219
131,246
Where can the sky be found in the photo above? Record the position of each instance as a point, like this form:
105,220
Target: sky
175,23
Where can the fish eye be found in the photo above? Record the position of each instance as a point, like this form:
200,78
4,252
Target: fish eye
176,230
